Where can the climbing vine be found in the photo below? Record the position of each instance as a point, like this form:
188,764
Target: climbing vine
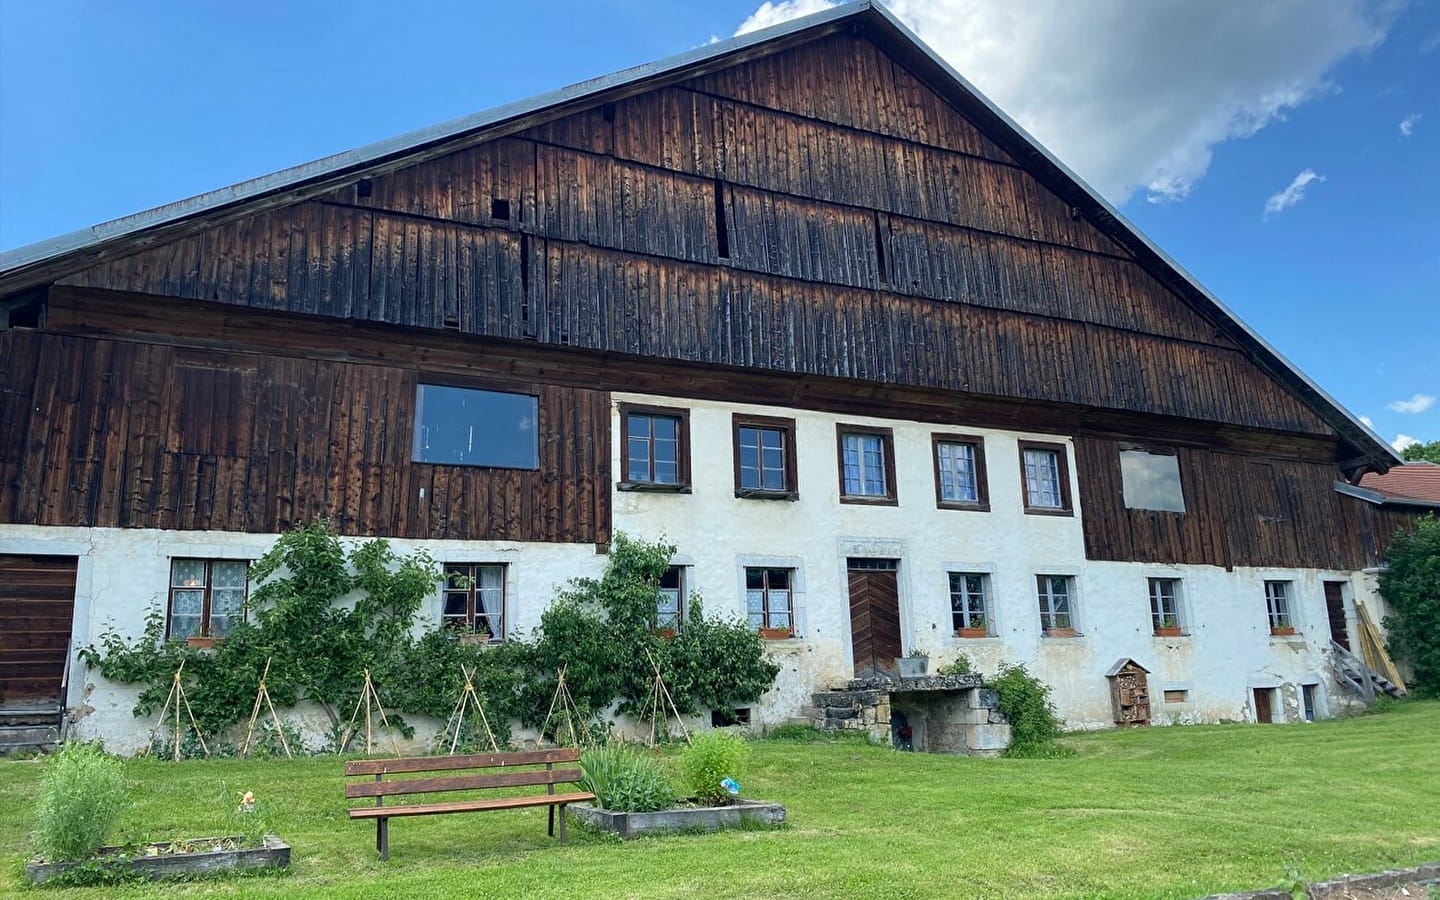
324,615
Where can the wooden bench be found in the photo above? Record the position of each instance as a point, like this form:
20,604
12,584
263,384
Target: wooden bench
464,773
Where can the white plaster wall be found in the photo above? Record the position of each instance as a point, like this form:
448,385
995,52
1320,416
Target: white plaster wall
1228,652
124,573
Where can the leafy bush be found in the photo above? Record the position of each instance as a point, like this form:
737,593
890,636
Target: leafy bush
624,778
712,757
960,665
82,793
1411,585
1025,701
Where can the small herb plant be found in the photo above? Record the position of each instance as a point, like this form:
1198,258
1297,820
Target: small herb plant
82,793
712,757
960,665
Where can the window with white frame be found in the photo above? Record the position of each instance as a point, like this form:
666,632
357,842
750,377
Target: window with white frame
1056,611
1046,478
475,599
768,594
1277,606
1165,611
670,602
969,604
207,597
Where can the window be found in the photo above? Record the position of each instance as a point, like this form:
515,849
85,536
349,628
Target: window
767,598
468,427
1165,606
1151,481
969,611
867,464
475,599
1175,695
654,448
1055,608
1277,604
670,605
1046,478
960,472
207,596
765,458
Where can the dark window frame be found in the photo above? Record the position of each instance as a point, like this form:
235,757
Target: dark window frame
1153,451
981,503
679,621
887,446
441,381
681,416
791,490
207,600
472,610
1062,469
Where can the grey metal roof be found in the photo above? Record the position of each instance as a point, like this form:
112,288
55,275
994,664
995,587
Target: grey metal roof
44,261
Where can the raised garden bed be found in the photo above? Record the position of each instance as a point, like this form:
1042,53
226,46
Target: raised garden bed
683,818
171,859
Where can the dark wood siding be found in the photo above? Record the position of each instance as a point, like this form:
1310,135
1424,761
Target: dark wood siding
37,606
817,212
1240,510
113,433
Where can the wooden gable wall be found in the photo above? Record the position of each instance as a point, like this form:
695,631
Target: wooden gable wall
817,212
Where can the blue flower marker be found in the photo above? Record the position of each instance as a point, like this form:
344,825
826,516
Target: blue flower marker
730,785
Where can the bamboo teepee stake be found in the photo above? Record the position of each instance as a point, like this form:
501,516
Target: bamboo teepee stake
263,693
468,696
369,697
567,706
657,691
178,698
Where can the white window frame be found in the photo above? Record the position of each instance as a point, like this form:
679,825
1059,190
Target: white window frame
1280,603
964,617
1046,597
1176,599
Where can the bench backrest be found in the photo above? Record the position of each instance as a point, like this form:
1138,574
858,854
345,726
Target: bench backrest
415,765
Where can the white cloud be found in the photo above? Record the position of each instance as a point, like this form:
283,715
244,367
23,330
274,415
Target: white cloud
1366,421
1135,96
1292,194
1407,124
1416,404
1402,441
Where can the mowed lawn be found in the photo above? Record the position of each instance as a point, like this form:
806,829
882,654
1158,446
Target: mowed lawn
1165,812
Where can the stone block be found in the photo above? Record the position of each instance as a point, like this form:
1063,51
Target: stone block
836,712
987,737
984,698
998,718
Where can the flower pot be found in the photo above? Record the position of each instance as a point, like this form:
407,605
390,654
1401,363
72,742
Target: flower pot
1059,632
204,643
912,666
680,819
1169,632
665,632
972,632
180,859
1284,631
775,634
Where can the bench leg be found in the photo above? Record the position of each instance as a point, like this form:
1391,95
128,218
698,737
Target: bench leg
382,838
562,822
552,821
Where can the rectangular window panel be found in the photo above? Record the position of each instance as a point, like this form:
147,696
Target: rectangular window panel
669,605
1054,595
1277,603
653,444
764,457
207,597
470,427
768,598
1164,603
1042,479
956,464
1151,481
474,599
864,456
968,606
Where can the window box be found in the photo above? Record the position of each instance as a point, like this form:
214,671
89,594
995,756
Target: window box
1168,631
666,633
972,632
1282,630
775,634
203,643
1059,632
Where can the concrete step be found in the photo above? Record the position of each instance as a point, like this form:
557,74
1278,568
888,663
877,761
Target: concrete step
28,739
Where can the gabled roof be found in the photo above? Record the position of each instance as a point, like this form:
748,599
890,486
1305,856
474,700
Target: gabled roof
43,262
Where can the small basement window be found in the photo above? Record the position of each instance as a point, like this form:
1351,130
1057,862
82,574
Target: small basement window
469,427
1177,696
1151,481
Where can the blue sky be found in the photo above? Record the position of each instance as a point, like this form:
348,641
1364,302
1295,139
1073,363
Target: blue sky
1189,117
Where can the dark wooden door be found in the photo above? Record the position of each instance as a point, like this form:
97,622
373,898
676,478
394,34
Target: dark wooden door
874,620
1262,705
1335,606
37,608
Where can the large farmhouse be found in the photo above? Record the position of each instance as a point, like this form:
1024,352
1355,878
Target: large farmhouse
802,302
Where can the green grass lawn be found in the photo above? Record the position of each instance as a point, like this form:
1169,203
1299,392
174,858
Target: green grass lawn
1165,812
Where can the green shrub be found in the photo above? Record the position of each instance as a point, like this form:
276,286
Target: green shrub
1411,585
1025,701
960,665
82,793
625,778
712,757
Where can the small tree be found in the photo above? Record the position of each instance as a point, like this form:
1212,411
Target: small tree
1423,452
1411,585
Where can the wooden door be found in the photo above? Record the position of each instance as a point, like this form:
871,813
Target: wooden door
1262,705
1335,606
874,616
37,609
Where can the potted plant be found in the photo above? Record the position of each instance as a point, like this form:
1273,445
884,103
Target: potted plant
204,642
976,629
1282,630
775,634
915,665
1060,627
1168,627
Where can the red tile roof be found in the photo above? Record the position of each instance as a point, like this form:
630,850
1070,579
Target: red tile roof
1412,481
